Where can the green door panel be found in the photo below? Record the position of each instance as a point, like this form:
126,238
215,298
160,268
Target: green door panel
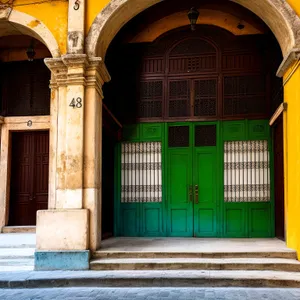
130,216
260,220
235,220
180,208
205,177
152,219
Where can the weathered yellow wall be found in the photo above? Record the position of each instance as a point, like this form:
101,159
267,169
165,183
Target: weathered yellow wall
295,4
53,14
292,150
93,7
292,157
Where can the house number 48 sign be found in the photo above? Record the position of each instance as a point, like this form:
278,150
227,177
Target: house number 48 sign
76,103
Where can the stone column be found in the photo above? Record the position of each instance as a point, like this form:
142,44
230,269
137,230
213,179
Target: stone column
63,231
96,75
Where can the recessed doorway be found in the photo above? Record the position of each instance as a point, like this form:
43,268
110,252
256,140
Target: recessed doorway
29,176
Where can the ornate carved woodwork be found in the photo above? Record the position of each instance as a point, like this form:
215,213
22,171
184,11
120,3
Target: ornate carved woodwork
208,74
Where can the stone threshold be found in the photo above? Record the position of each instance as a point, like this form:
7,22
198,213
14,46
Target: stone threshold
19,229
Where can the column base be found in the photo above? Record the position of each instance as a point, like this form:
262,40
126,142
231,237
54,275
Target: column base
61,260
63,229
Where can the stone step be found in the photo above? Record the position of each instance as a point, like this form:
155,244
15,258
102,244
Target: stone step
19,229
272,264
17,240
288,254
16,253
16,268
16,262
178,278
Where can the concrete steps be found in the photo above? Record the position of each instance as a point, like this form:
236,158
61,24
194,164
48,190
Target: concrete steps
273,264
288,254
184,278
17,252
189,269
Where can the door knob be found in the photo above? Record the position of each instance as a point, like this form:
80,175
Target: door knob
196,194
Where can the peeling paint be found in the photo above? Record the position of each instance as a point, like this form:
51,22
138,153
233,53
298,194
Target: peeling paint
34,23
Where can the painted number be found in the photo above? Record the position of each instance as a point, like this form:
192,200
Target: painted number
76,5
76,103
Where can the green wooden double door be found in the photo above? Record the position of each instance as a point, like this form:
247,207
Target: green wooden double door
195,179
192,181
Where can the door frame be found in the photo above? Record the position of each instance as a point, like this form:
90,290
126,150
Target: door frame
17,124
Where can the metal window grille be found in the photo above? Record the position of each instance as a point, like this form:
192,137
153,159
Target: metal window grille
141,175
246,171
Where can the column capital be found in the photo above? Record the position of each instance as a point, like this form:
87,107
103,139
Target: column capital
59,71
1,120
96,74
76,65
98,64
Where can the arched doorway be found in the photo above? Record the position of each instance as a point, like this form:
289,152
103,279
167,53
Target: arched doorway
197,155
25,113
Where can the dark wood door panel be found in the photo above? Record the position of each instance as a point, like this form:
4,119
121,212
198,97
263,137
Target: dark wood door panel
41,167
29,176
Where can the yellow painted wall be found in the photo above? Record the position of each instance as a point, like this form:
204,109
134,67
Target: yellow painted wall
93,7
292,158
53,14
292,150
295,4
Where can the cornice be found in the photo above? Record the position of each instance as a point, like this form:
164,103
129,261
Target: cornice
78,69
99,65
58,69
75,60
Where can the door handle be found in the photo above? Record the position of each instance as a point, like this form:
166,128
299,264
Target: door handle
191,193
196,194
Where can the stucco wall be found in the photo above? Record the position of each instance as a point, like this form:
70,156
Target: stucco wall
53,14
292,157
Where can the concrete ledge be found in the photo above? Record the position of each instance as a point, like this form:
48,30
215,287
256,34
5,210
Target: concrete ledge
61,260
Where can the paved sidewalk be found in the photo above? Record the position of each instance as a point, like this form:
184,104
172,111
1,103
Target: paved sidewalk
150,294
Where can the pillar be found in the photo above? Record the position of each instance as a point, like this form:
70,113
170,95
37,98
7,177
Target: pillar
71,227
63,230
96,75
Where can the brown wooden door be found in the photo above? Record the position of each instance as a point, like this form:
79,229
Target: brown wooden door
29,176
279,179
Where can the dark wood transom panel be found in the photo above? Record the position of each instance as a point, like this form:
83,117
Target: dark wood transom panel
208,74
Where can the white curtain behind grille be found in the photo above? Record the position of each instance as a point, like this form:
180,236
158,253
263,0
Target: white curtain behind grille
246,171
141,172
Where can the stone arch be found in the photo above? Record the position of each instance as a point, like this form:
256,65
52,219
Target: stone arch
277,14
28,25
